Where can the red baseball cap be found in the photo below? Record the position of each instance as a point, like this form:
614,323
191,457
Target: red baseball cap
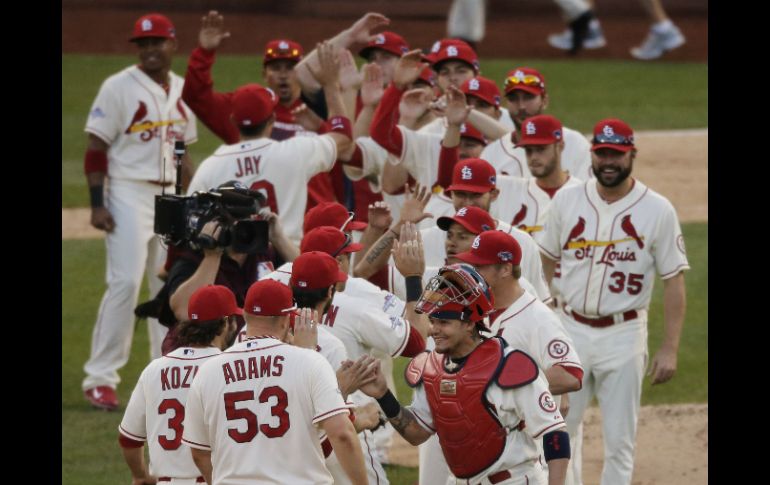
427,76
314,270
467,130
540,130
473,175
474,219
331,214
456,52
492,247
438,45
253,104
329,240
282,49
269,298
525,79
482,88
613,133
212,302
153,25
387,41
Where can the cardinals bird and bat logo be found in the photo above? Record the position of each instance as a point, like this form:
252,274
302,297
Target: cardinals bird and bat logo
585,248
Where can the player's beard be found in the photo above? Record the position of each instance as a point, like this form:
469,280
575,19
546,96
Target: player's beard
613,179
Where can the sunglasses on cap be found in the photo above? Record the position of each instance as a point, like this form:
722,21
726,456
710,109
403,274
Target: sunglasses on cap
528,80
276,52
351,215
613,139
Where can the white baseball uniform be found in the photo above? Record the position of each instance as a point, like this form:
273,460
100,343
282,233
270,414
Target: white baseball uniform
520,455
263,398
509,160
279,169
156,410
609,255
140,122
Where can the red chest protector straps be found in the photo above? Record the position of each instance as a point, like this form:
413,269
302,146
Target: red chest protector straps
469,432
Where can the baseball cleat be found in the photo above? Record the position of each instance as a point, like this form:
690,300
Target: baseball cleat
594,39
102,397
658,42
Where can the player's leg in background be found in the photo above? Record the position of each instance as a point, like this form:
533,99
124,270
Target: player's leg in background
126,257
583,28
619,370
582,337
156,258
663,35
466,20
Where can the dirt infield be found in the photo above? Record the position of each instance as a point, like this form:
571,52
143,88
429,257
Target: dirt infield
671,446
106,31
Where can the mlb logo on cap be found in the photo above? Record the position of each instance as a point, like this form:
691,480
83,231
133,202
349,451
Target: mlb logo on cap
505,256
613,133
540,130
269,298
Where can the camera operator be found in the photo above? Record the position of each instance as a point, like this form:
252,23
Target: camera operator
224,266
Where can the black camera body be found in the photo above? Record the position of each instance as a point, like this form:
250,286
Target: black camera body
180,219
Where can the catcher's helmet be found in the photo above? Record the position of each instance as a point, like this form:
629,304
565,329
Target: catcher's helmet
457,292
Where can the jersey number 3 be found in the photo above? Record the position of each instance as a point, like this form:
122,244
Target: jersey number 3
268,190
174,423
278,409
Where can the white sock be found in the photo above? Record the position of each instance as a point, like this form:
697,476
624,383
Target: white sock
663,26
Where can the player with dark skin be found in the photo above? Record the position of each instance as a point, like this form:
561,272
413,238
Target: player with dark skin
155,55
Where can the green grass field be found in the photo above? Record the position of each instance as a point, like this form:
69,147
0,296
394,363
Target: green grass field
647,95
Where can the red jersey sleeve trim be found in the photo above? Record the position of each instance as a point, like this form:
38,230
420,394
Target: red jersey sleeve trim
329,414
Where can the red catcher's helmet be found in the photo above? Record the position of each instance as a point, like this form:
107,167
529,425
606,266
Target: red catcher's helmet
458,292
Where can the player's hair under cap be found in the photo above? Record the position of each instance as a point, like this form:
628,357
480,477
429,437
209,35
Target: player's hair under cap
153,25
474,219
282,49
331,214
613,133
492,247
329,240
269,298
540,130
315,270
212,302
253,104
473,175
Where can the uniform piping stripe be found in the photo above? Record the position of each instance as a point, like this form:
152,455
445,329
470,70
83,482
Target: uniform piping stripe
502,144
254,350
522,309
678,269
406,339
328,414
425,425
596,236
196,445
371,459
537,435
100,134
245,151
548,253
191,358
131,435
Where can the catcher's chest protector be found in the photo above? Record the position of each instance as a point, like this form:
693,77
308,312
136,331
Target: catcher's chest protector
469,432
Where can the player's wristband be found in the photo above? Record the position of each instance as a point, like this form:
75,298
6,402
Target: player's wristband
95,161
97,196
413,288
341,125
389,404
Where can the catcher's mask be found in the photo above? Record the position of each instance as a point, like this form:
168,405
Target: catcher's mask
458,292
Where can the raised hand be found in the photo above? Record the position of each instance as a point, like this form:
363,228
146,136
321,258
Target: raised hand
306,329
377,387
371,87
329,73
414,204
408,69
307,118
456,108
414,103
350,78
352,375
361,32
212,31
379,216
408,252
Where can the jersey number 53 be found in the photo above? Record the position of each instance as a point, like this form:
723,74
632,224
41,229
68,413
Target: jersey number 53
278,409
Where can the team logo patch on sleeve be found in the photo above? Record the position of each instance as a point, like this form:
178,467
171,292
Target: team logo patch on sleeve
97,113
396,322
680,243
547,403
557,348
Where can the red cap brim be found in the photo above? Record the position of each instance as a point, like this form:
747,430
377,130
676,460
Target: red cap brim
352,248
620,148
238,311
529,89
341,276
355,226
444,222
535,141
478,189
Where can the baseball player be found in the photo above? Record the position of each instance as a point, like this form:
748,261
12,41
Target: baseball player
475,393
156,410
132,127
265,398
215,109
280,170
611,235
525,90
